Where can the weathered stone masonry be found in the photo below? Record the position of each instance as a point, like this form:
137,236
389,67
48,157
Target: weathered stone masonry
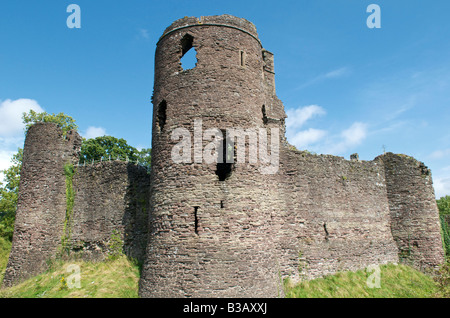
109,198
240,235
41,204
223,230
413,209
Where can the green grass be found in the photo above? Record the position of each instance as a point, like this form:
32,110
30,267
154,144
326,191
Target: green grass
396,281
117,278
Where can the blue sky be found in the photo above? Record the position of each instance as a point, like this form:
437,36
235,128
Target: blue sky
346,88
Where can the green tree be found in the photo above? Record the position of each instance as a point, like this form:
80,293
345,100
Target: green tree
91,149
107,147
445,231
65,122
145,157
9,193
444,205
444,215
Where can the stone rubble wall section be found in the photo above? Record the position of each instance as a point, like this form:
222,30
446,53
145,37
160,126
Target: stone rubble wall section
41,206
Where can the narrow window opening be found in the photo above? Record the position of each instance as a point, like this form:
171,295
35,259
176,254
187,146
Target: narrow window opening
225,160
326,231
161,114
264,114
221,205
196,219
242,58
188,58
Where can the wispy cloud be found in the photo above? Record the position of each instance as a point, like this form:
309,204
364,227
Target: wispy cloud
392,96
440,154
94,132
305,138
337,73
441,185
348,138
12,127
321,140
143,33
298,117
408,105
5,161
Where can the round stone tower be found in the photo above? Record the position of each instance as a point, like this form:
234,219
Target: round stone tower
212,209
42,202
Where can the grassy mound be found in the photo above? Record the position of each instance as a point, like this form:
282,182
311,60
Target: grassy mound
395,281
110,279
119,278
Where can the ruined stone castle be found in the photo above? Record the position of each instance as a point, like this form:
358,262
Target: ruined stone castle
221,229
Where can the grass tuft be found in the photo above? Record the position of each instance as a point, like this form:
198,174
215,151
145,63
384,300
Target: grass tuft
396,281
110,279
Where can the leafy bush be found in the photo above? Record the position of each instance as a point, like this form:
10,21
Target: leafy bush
444,205
443,280
445,235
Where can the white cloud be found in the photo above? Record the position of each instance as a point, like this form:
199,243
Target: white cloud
5,161
439,154
441,186
337,73
11,111
94,132
144,33
355,134
303,139
315,138
12,128
298,117
349,138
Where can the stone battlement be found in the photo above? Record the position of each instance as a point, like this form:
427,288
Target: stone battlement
218,20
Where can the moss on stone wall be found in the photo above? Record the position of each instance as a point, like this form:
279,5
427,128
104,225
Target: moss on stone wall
69,172
445,232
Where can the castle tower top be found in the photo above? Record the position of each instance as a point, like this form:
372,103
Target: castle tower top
224,20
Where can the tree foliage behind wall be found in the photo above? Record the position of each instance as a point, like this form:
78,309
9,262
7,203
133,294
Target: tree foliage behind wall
9,193
445,235
112,148
91,149
444,205
9,190
107,147
444,215
65,122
